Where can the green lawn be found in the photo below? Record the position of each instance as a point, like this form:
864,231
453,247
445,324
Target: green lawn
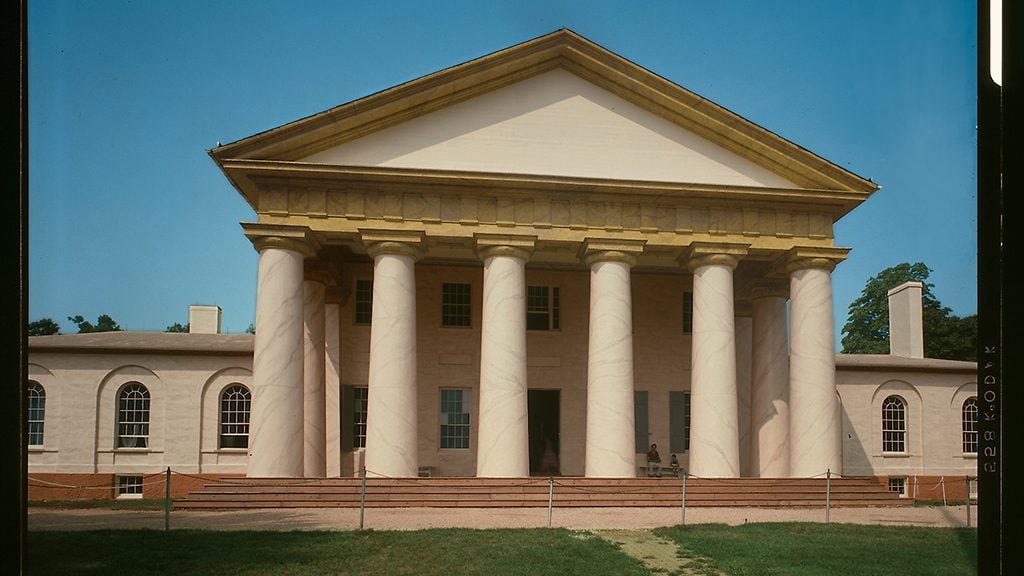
755,549
536,552
805,549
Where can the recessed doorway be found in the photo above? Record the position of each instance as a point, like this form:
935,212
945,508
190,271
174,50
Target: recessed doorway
543,406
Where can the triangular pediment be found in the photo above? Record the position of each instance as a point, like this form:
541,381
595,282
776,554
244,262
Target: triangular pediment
557,106
557,124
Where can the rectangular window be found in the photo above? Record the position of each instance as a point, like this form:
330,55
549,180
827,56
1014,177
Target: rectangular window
454,418
364,301
687,312
360,394
641,432
129,486
455,305
542,308
679,421
898,485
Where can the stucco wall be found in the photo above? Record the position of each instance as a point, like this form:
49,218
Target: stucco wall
81,403
934,400
81,389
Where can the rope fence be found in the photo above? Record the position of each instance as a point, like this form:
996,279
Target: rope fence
364,474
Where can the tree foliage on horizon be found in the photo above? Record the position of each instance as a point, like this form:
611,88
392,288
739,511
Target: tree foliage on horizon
103,324
178,327
43,327
866,330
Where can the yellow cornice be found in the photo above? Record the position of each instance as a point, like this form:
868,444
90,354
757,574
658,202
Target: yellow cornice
563,49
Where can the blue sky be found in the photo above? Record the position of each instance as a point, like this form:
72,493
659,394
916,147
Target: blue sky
128,215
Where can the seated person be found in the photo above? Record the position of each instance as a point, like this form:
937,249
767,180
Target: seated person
653,461
674,463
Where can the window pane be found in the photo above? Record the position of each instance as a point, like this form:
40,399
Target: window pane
36,413
893,425
687,312
360,395
542,308
133,416
970,426
364,301
455,304
454,419
235,407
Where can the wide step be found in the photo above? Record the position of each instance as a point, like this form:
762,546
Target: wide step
535,492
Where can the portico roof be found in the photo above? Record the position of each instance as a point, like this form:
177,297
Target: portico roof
557,139
288,149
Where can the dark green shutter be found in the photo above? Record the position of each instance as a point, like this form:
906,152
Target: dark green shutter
677,422
640,421
348,405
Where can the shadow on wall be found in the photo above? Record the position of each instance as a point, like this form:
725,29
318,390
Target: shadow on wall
855,460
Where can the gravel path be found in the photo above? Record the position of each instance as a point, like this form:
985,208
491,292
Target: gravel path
419,518
658,555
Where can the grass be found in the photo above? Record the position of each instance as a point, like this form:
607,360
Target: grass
536,552
806,549
762,549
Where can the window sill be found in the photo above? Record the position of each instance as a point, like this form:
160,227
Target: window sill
970,455
895,455
146,450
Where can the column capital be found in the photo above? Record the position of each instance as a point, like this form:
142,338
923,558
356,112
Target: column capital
516,246
296,238
594,250
803,258
713,253
402,242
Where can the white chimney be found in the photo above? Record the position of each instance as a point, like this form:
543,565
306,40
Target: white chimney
203,319
906,324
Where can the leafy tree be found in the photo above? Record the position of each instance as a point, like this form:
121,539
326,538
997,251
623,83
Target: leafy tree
103,324
867,327
177,327
251,329
43,327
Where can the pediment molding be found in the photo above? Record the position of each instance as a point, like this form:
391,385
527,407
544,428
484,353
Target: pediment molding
282,147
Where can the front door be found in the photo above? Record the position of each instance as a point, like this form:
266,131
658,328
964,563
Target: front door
543,407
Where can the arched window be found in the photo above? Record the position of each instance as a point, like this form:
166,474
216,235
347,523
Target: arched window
970,425
894,425
133,416
235,403
36,413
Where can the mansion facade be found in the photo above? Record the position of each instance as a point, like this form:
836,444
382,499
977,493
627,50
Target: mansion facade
538,262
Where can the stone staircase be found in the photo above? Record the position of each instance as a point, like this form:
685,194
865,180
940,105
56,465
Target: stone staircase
564,492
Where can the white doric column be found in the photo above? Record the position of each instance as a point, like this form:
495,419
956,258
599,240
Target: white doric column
503,445
714,416
332,377
769,396
276,424
314,390
815,424
392,447
611,446
744,343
